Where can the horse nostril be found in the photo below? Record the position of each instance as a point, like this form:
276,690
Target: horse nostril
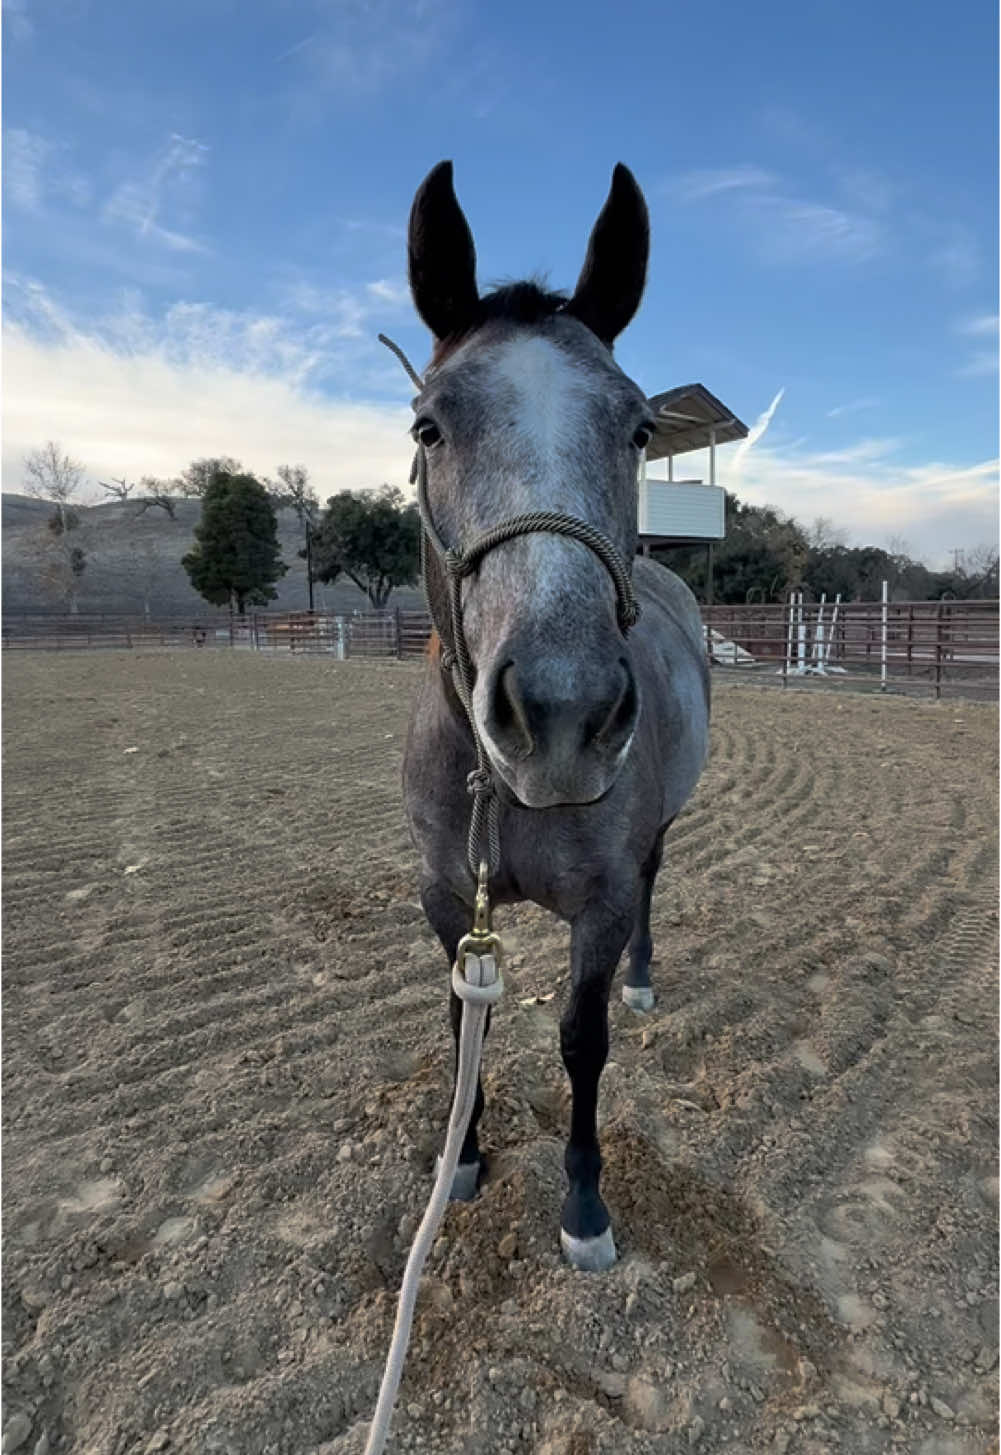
620,718
510,718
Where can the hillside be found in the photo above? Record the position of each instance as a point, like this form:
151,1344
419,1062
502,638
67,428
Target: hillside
130,558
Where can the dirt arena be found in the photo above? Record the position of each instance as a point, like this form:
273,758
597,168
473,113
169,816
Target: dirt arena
227,1060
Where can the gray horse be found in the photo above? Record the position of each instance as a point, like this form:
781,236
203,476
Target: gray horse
595,738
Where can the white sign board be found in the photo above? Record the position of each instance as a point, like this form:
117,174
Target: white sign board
684,511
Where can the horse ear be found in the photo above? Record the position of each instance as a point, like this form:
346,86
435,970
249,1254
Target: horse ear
441,256
611,283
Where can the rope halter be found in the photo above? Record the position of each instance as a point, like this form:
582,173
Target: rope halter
460,561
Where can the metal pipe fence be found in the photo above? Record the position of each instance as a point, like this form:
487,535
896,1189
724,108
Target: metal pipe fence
942,647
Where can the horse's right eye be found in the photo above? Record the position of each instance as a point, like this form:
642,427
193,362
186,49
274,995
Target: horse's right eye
427,433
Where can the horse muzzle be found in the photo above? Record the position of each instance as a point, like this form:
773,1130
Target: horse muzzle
558,729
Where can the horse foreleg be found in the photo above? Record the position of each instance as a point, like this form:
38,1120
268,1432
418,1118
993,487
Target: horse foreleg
637,992
450,919
598,937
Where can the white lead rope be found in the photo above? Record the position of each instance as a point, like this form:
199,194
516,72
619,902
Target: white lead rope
478,985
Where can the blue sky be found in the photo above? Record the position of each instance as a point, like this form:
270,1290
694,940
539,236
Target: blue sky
205,204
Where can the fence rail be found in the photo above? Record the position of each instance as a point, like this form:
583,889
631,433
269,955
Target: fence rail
939,646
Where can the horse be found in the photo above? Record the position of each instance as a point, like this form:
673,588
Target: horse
589,726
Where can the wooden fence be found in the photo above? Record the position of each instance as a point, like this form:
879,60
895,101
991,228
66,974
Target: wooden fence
942,647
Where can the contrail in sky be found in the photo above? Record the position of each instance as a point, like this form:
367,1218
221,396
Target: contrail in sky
755,433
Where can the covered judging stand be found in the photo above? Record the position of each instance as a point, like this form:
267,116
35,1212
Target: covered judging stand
686,512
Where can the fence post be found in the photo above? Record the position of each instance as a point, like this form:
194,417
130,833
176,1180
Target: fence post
938,653
882,650
399,635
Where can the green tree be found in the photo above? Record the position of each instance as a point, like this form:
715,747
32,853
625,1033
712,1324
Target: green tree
372,537
235,559
762,555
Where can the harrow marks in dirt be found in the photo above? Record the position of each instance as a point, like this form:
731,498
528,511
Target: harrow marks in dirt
222,1111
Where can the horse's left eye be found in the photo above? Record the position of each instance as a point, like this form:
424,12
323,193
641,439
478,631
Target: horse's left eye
426,433
643,436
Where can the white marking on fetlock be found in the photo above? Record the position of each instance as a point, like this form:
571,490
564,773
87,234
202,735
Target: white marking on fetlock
638,997
465,1181
590,1255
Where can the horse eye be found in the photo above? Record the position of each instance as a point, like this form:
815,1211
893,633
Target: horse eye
643,436
427,433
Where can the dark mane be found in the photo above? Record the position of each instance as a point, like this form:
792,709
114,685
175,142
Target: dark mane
524,302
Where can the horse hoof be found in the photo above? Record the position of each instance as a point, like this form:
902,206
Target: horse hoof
638,997
464,1183
590,1255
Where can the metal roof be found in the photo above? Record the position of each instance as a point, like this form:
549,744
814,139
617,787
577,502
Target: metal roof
684,418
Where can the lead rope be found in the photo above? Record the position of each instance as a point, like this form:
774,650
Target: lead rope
478,984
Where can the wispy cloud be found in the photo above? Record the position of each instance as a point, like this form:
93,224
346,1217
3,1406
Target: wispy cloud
865,451
128,413
346,313
16,21
362,46
24,160
981,325
794,231
134,393
315,340
137,393
396,294
141,202
871,497
983,361
339,311
784,227
867,189
697,185
37,173
296,47
854,406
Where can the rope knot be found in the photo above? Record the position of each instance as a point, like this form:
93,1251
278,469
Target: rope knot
629,615
448,658
479,781
455,562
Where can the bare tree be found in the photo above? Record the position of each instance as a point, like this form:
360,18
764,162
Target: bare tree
57,561
296,493
823,534
145,555
50,475
149,566
156,494
980,566
117,488
59,553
